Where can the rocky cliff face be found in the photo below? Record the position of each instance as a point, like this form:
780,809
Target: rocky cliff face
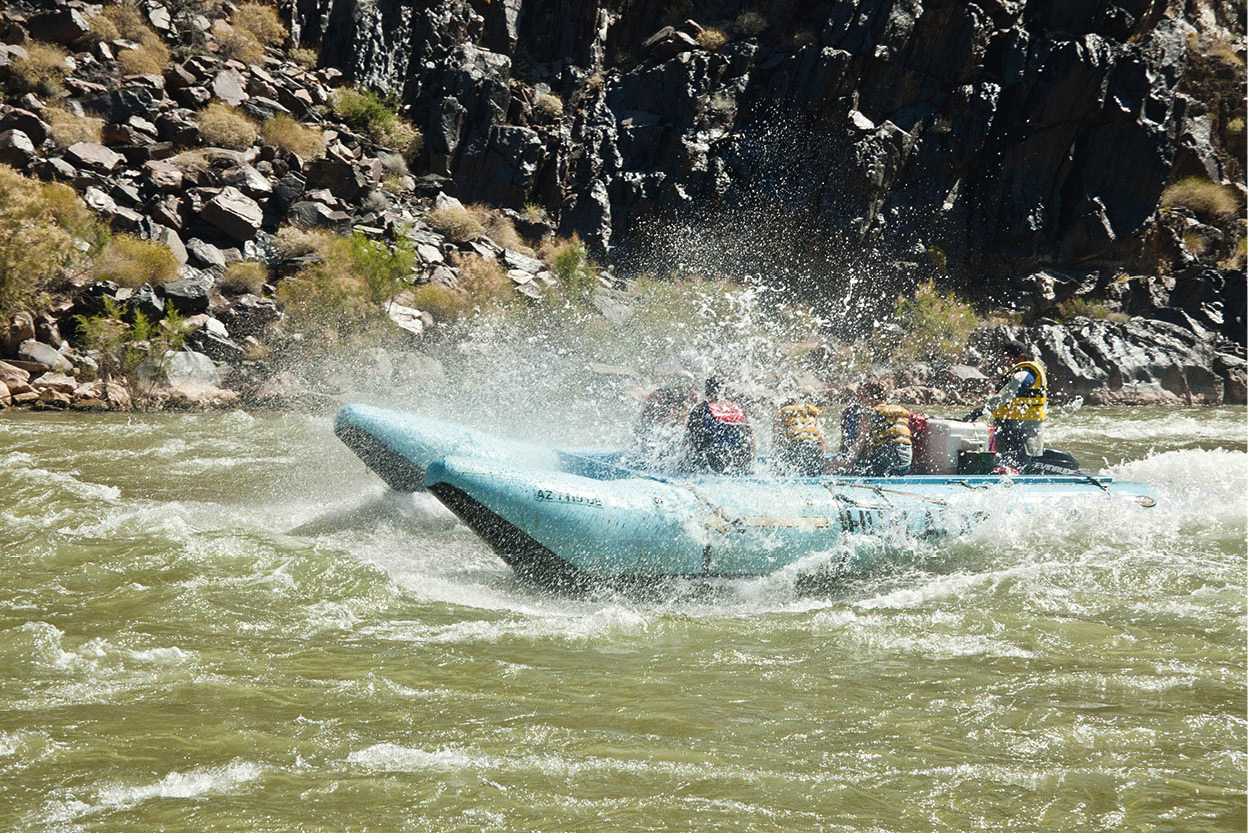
999,136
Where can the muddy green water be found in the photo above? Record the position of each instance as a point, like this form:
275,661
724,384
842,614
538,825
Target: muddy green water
222,622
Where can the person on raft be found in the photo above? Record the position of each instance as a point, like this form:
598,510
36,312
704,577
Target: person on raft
1018,409
876,439
798,439
718,434
659,436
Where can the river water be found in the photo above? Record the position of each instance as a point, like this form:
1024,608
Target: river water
223,622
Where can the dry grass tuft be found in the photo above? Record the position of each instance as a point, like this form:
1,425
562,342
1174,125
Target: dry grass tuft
42,229
261,22
485,280
244,277
224,127
284,132
151,57
751,24
305,57
68,128
241,46
294,242
458,224
443,303
1207,200
42,71
712,39
147,59
499,228
132,262
548,107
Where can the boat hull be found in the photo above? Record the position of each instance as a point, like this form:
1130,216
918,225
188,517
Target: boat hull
568,518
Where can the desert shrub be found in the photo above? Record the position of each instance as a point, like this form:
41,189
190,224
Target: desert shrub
458,224
549,107
712,39
535,213
102,28
151,56
485,280
1080,307
192,160
120,347
241,46
224,127
1235,125
498,227
569,260
370,112
261,22
443,303
294,242
42,71
244,277
394,183
283,131
325,299
68,128
751,24
342,294
1224,51
304,57
147,59
1196,243
381,267
46,233
132,262
1208,200
936,326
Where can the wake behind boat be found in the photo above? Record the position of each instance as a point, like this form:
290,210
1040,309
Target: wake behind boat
574,518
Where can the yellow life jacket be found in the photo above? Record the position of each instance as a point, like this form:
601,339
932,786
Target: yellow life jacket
889,424
1029,405
799,423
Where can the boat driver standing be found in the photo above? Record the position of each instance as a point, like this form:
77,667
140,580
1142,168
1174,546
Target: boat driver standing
1017,409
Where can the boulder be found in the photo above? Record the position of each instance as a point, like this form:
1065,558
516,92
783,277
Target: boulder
65,26
406,318
55,382
16,149
93,156
205,255
16,379
41,354
21,327
234,213
28,122
248,315
188,294
164,176
228,86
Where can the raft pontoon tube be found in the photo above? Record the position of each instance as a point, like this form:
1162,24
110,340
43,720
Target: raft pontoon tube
576,518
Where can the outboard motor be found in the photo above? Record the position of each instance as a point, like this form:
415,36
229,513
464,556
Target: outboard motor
1052,462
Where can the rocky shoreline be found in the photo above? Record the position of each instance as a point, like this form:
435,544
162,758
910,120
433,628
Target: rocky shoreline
1169,310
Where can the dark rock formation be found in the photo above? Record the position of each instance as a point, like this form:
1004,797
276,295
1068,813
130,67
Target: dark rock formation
1002,135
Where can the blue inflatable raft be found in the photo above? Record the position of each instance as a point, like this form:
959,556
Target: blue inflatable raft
575,518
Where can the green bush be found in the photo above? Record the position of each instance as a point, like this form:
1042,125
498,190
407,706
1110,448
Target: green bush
381,268
378,116
1080,307
936,326
340,297
569,260
121,347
